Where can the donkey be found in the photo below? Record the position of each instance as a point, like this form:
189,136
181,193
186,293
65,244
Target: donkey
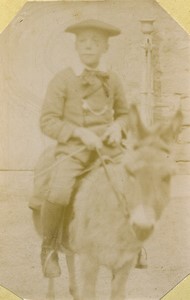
117,207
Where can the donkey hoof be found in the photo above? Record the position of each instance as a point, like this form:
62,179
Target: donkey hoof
74,294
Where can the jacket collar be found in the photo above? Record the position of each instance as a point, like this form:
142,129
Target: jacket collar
79,68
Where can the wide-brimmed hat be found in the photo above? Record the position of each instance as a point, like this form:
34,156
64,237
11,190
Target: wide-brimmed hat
108,29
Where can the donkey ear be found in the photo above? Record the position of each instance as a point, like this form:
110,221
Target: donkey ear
170,132
135,123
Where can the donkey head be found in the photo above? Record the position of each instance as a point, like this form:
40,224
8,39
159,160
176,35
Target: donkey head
151,168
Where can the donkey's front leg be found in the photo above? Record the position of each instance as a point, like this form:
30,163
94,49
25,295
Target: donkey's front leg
70,259
89,273
119,279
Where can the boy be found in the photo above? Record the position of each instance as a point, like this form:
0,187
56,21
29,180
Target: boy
84,107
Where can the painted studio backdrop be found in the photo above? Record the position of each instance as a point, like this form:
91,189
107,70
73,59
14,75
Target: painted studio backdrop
32,49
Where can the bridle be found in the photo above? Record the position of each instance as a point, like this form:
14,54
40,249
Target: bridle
119,195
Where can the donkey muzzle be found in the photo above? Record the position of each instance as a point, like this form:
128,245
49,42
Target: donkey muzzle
142,231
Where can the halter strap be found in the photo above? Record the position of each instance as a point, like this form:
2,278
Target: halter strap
159,143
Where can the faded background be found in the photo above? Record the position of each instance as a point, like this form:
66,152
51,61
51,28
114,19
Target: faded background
32,49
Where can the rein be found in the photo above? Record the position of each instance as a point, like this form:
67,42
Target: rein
118,195
57,162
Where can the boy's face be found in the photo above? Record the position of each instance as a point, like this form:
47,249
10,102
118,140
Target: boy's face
90,45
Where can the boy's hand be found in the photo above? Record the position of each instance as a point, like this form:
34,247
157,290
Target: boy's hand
89,138
113,135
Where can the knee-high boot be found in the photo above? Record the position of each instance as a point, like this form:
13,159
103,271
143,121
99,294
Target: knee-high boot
51,218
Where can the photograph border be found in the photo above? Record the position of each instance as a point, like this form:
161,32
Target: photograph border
179,11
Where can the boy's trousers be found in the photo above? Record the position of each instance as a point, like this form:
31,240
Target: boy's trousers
64,175
63,178
55,177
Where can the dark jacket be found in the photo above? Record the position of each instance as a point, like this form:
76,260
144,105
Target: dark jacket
71,102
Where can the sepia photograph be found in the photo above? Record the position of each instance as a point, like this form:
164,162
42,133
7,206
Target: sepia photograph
95,151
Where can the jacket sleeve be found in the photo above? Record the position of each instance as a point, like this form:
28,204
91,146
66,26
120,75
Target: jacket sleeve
52,121
120,105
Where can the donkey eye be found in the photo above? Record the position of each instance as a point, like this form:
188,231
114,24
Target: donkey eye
130,173
166,178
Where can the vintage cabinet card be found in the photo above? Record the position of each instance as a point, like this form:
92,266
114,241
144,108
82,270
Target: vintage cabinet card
151,57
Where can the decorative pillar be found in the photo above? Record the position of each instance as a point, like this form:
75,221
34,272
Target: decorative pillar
147,100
